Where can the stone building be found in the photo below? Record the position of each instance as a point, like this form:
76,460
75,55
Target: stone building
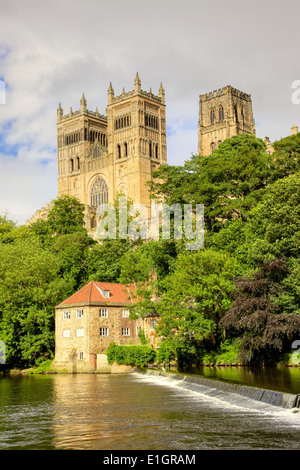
223,113
269,146
100,156
294,129
92,318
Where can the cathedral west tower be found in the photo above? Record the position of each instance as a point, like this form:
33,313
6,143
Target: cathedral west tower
101,156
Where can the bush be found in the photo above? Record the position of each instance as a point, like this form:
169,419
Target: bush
42,368
165,353
130,355
229,352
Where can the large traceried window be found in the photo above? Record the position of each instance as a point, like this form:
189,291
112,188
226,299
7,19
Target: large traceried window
99,192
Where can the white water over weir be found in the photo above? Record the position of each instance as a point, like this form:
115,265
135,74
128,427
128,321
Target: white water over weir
230,392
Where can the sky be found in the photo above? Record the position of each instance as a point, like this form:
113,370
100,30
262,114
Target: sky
53,51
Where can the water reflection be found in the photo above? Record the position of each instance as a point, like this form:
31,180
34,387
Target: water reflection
283,379
116,412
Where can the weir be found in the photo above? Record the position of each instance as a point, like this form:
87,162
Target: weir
223,390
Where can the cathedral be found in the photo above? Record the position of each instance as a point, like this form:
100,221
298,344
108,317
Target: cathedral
102,155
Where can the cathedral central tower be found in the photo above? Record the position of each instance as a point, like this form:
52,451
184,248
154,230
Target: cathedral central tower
223,113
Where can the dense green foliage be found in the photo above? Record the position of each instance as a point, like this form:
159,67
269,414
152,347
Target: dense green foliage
197,295
135,355
252,212
30,286
237,299
66,216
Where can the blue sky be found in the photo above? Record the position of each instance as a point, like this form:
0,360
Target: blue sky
51,52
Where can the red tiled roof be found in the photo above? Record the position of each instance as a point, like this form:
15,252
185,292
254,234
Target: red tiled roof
91,292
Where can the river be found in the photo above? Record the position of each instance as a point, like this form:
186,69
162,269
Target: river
133,412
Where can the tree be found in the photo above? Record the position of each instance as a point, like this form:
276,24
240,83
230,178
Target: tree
229,183
72,251
197,294
286,157
135,267
67,216
30,287
104,260
137,264
6,226
256,318
273,230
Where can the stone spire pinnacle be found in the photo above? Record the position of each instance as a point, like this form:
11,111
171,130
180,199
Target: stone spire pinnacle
83,103
60,113
137,83
110,93
161,93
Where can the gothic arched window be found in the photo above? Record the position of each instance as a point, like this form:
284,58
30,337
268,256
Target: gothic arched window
99,192
212,116
212,147
236,114
93,222
221,113
119,151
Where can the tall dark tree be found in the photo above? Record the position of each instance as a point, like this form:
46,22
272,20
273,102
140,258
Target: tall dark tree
257,319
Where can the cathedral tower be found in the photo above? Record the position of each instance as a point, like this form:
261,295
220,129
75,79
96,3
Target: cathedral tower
136,132
101,156
222,114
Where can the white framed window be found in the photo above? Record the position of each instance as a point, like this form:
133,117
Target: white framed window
80,355
152,324
80,332
104,331
79,313
66,333
66,315
103,312
138,329
125,313
125,331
